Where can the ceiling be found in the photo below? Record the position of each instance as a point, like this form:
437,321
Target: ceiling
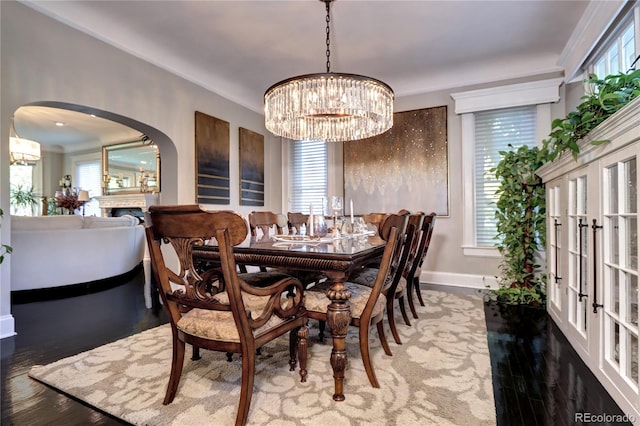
240,48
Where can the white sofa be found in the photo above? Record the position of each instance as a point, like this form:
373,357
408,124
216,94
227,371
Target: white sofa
52,251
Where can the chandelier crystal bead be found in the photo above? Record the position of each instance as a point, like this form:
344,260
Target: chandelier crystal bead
331,107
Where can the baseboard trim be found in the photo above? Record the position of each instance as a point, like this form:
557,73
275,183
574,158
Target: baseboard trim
480,282
7,326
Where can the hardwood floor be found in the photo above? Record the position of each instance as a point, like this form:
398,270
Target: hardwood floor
537,377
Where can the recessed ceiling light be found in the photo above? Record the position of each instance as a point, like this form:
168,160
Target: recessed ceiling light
59,123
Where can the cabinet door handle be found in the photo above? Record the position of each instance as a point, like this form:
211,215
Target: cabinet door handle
581,237
595,304
556,228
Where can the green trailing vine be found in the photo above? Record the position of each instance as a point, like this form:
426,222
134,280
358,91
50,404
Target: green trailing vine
605,97
520,209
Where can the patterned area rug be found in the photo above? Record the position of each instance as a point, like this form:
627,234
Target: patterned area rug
441,375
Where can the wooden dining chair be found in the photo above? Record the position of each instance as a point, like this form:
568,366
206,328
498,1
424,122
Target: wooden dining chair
413,275
227,314
397,289
367,305
295,222
374,219
265,222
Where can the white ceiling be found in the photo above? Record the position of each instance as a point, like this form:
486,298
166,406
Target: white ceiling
240,48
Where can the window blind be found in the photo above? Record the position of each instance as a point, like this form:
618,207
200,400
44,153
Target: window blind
494,131
308,179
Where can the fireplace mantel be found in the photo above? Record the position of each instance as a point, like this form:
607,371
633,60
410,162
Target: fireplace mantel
141,201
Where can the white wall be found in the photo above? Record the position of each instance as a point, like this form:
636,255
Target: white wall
44,60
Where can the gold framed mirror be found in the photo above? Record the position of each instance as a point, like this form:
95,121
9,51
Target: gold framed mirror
131,167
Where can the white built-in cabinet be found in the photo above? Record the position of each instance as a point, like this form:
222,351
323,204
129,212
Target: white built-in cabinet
592,253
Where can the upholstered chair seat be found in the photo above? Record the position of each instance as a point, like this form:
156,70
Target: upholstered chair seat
367,277
316,300
219,325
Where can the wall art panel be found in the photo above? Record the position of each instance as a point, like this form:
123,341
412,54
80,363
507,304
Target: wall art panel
212,160
404,168
251,168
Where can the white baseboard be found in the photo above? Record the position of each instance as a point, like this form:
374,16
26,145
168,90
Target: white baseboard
480,282
7,326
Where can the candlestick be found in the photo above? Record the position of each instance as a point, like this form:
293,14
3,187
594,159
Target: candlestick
310,220
351,207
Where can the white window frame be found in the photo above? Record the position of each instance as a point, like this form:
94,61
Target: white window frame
602,53
540,93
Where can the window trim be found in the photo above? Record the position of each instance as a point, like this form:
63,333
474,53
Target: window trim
541,93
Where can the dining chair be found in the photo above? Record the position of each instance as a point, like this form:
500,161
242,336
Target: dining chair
413,275
295,222
227,314
367,305
397,289
265,222
375,220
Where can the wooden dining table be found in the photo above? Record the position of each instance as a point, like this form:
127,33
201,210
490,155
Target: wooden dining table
336,258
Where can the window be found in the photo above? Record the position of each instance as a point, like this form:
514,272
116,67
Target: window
308,178
88,176
491,120
618,51
21,178
494,131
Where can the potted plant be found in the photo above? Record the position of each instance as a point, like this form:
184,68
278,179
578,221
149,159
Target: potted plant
521,226
521,204
22,197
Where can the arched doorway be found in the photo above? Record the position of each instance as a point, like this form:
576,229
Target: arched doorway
87,130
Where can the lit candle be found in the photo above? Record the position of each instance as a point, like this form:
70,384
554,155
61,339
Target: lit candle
311,220
351,208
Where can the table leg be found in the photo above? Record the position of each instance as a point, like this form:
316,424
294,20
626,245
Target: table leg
338,319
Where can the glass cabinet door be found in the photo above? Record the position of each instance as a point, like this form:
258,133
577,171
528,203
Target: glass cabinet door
555,208
578,294
620,269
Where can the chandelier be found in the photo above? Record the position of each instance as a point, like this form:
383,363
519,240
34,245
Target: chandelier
332,107
22,151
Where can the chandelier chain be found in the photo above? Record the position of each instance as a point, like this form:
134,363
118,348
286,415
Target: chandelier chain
331,107
328,19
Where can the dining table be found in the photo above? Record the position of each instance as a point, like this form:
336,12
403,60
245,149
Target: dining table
336,257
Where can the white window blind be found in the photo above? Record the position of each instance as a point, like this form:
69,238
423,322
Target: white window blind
494,131
89,177
308,179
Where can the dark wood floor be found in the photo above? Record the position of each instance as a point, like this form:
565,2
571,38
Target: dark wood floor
537,377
